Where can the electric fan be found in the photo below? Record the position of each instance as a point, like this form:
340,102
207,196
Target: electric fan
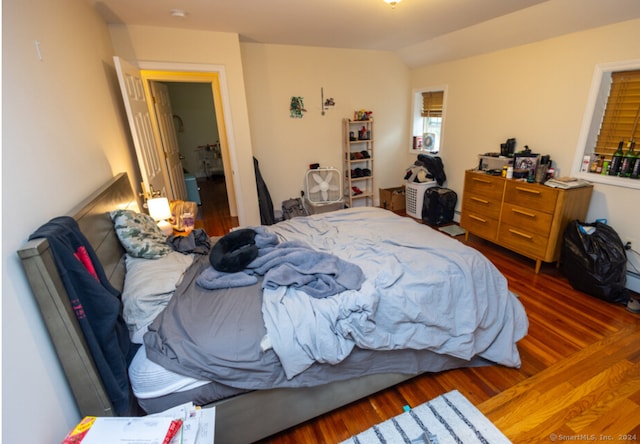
323,185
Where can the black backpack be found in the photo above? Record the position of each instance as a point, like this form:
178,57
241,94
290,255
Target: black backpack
439,205
292,208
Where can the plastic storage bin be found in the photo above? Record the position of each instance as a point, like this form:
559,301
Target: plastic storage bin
415,197
193,192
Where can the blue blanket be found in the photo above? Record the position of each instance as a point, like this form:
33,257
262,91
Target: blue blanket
295,264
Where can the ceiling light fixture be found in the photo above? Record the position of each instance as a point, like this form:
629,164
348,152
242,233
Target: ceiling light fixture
393,3
178,13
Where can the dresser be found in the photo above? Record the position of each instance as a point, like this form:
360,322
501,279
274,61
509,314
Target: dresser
527,218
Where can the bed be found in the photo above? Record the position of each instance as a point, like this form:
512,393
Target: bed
423,302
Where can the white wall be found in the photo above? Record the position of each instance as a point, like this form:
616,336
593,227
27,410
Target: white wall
536,93
285,146
63,135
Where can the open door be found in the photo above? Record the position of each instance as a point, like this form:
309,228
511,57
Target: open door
141,128
169,139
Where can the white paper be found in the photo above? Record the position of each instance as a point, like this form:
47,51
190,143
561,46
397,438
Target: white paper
136,430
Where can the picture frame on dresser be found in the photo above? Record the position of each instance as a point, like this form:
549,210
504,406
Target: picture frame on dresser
526,161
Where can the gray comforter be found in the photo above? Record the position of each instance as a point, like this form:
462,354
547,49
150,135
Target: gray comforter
425,296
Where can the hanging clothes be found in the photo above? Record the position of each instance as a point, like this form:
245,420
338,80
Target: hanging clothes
267,216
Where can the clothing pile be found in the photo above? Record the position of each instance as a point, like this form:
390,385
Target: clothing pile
425,169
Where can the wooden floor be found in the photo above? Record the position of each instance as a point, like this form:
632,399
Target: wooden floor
579,379
214,215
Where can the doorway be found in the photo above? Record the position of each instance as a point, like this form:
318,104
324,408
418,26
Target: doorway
199,123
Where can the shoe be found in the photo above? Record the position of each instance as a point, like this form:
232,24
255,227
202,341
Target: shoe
365,154
356,191
366,172
357,172
633,305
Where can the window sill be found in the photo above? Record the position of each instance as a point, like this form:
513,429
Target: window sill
615,181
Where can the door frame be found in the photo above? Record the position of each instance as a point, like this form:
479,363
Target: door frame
214,75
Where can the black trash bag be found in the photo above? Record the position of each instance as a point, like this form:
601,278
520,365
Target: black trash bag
594,260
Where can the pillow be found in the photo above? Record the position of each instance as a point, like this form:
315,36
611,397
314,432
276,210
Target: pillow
139,234
148,287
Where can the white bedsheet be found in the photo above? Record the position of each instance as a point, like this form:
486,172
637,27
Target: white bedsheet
423,290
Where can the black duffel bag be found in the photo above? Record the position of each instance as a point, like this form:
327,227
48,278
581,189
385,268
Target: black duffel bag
439,205
594,260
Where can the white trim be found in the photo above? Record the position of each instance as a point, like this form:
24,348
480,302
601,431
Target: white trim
226,105
594,111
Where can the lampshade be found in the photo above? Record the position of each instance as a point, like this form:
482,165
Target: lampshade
159,208
160,211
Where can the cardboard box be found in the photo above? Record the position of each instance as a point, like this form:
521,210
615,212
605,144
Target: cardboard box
393,198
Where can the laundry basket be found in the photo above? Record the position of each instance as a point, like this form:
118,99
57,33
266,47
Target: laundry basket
414,192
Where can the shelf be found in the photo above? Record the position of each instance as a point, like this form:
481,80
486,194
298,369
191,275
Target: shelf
353,128
354,179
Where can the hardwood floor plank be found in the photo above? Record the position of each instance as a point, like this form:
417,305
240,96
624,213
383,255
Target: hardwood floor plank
606,399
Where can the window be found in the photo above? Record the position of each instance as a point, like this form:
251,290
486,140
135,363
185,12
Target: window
612,116
428,120
620,120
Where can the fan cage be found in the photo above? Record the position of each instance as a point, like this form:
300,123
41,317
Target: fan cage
329,175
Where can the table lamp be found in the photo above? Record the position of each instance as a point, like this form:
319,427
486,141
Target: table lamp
159,210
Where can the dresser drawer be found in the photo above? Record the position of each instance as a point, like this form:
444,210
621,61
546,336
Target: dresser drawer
489,187
531,195
528,219
523,241
480,225
475,203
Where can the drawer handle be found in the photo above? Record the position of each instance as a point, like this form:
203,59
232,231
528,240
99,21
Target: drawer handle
479,219
524,213
519,233
527,190
480,200
480,180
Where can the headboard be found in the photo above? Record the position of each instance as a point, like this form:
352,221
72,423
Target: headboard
93,218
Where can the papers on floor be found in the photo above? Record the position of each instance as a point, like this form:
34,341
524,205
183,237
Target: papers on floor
184,424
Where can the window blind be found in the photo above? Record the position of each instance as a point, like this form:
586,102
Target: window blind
432,103
620,120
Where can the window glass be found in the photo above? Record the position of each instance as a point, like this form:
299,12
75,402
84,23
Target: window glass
611,119
428,120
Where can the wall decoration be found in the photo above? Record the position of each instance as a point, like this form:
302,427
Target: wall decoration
297,107
326,104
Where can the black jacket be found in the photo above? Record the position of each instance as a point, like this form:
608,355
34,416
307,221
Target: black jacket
97,306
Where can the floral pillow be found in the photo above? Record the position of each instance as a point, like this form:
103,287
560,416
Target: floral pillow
139,234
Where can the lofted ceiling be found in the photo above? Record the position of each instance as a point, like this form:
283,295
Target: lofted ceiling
421,32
